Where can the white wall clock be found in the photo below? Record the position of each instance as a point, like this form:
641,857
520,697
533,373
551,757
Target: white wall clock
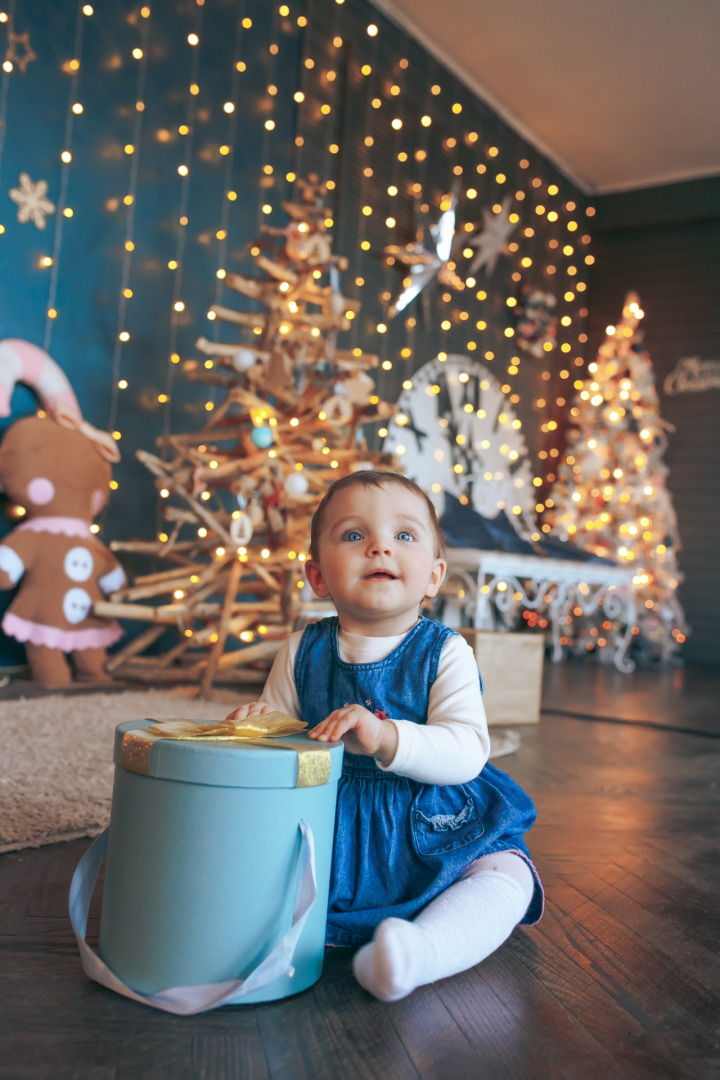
456,431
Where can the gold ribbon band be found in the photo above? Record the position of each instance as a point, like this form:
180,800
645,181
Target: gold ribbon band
135,751
266,730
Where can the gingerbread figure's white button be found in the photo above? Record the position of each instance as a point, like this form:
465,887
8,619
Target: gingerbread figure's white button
76,605
78,564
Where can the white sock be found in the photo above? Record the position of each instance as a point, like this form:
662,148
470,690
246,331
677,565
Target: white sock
461,927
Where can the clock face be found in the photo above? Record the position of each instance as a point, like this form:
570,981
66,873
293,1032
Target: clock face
456,431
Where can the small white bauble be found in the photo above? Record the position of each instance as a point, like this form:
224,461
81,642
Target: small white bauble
338,409
241,530
243,359
296,483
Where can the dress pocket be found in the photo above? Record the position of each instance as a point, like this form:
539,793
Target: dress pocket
444,819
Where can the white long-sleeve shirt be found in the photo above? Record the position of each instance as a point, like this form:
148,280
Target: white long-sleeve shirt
454,744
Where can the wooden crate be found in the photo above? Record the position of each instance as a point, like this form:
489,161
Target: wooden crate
511,666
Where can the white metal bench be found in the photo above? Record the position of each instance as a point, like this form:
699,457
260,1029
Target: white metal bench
552,587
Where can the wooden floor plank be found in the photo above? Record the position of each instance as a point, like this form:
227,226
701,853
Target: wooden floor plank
523,1029
644,982
658,932
637,1050
298,1037
680,697
366,1043
59,1071
232,1054
436,1043
19,873
689,859
675,899
697,853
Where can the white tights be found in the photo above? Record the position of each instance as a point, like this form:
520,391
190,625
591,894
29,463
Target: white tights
463,925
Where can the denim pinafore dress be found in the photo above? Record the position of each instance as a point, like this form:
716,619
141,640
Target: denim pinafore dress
399,842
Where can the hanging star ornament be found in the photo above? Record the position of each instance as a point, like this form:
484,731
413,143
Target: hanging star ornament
425,262
492,240
31,201
19,59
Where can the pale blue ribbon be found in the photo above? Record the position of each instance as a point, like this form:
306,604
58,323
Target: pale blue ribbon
186,1000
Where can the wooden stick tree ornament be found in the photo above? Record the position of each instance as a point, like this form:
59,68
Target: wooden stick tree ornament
238,494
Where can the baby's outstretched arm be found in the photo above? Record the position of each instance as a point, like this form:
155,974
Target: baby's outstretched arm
253,708
361,731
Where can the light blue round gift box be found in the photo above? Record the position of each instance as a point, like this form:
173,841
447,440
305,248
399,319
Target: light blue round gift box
201,858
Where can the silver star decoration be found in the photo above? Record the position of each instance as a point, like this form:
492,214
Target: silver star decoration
491,241
425,263
31,200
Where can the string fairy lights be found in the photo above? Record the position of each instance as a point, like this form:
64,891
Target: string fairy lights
340,92
269,105
227,151
125,293
6,20
64,211
176,265
540,241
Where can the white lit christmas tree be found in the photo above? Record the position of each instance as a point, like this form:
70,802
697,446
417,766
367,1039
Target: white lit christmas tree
611,496
237,496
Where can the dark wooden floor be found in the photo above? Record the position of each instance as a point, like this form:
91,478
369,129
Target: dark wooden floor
621,979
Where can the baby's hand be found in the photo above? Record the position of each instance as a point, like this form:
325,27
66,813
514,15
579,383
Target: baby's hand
253,708
361,731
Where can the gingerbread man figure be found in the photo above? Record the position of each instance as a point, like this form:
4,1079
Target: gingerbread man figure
58,468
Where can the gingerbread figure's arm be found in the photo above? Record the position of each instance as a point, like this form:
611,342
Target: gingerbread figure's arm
16,553
112,575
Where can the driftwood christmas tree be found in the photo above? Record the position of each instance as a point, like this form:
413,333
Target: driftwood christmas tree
237,496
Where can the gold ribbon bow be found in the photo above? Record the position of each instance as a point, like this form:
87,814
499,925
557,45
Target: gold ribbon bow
271,725
267,729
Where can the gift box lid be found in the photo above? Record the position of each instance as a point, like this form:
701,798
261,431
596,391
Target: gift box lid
185,750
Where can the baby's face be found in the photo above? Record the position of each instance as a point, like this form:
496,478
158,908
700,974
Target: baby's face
376,558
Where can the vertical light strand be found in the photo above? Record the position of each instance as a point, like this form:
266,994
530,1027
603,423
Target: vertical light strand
330,148
292,172
517,193
458,184
265,208
392,112
302,99
184,171
222,233
368,71
75,64
554,268
500,181
7,17
122,335
417,185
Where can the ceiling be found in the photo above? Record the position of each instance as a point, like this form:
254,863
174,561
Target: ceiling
620,94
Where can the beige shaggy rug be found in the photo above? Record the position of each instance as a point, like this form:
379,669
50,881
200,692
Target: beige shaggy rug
56,768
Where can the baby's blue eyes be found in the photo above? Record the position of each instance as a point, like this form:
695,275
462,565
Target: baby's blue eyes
353,535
